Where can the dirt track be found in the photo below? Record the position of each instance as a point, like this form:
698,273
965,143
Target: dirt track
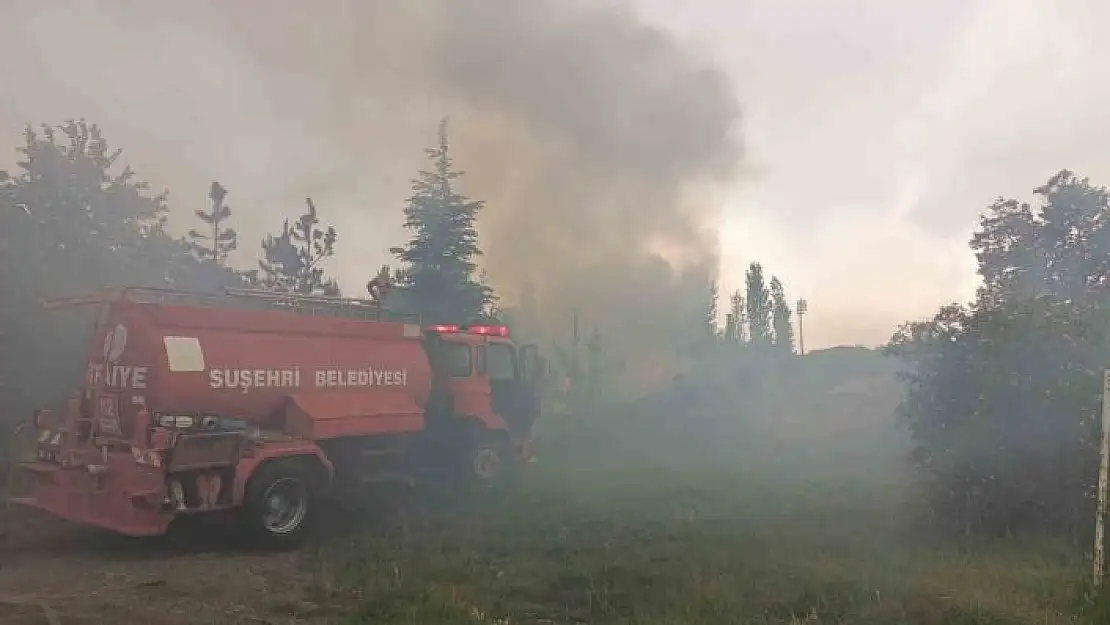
88,577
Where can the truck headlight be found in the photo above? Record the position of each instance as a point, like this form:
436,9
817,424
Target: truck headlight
181,422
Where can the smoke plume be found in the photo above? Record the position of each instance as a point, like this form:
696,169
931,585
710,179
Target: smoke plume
598,142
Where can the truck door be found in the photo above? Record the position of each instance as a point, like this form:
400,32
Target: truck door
511,386
452,369
532,374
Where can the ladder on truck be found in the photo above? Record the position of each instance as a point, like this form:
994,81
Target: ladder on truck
230,297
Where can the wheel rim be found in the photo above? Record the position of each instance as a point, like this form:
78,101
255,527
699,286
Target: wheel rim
286,503
487,462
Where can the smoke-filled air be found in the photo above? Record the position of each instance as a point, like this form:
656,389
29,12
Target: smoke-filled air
554,312
599,144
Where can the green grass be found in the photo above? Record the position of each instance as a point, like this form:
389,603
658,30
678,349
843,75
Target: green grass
666,548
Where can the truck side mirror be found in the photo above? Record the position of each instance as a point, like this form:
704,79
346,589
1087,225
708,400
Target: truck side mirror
528,356
41,419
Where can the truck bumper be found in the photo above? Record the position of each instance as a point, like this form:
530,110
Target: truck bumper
117,497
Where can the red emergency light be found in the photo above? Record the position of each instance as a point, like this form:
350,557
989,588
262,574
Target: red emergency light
484,330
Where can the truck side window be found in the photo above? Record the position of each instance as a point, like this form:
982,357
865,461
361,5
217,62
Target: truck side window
500,362
455,359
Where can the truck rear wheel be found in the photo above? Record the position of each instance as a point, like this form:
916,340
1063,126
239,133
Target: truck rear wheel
280,504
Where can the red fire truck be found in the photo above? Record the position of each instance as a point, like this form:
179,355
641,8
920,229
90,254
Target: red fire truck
255,404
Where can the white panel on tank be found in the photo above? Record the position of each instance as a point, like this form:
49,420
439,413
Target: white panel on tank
412,331
184,353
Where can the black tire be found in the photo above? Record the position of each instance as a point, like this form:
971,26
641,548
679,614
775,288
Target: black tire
487,462
280,504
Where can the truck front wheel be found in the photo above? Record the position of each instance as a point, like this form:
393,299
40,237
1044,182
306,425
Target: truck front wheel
280,504
488,462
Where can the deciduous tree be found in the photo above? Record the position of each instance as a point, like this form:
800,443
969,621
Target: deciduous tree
74,220
1003,396
758,301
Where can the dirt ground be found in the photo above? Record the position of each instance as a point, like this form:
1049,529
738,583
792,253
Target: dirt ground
87,577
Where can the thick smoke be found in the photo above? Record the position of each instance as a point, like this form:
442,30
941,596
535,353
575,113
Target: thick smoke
598,142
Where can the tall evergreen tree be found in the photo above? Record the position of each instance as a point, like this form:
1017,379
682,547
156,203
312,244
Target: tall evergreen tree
758,300
219,241
780,318
291,260
712,312
736,318
439,261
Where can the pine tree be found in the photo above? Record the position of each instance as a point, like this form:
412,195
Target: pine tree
222,240
438,263
758,300
780,317
291,260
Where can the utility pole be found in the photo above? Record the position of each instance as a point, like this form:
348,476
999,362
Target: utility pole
1104,460
802,307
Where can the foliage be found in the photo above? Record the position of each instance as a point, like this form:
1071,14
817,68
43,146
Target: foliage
782,324
73,221
66,183
711,312
1057,249
758,301
439,261
1004,393
736,319
522,318
588,371
222,240
291,260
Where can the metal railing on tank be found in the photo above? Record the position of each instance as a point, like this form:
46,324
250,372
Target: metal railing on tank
367,309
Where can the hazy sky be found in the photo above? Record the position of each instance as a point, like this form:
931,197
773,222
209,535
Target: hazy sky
878,130
875,130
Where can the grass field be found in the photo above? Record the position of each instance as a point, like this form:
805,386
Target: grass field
809,515
637,548
662,548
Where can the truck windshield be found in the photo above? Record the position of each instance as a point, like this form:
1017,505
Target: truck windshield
454,359
500,362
